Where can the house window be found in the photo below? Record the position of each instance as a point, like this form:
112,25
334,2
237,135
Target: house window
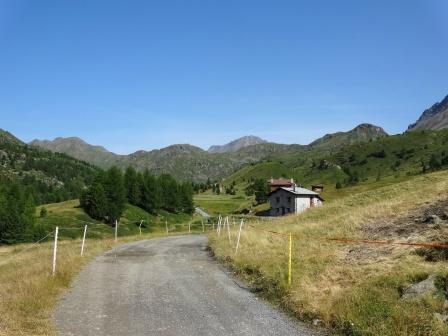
278,210
289,199
288,209
277,199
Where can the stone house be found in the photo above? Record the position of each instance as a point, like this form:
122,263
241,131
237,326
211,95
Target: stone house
292,200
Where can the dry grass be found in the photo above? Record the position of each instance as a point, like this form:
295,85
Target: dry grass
354,289
28,291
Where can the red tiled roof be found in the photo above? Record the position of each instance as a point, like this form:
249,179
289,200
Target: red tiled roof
280,181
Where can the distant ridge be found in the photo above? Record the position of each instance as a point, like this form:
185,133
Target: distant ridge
79,149
237,144
360,133
434,118
191,163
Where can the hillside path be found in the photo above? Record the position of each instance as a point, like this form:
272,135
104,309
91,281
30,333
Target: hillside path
166,286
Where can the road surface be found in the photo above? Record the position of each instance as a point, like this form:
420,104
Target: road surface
167,286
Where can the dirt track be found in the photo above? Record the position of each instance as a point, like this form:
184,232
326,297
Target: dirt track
166,286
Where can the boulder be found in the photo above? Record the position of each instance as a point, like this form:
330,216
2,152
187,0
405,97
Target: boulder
421,288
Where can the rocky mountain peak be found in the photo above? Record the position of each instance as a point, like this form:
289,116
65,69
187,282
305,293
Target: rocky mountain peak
434,118
237,144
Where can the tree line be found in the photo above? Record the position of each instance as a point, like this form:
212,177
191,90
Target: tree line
17,213
106,197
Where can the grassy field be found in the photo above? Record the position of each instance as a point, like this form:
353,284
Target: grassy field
222,204
26,304
353,289
72,218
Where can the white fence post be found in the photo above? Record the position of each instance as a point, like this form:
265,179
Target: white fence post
140,227
116,230
202,225
83,240
166,226
55,249
219,225
228,229
239,236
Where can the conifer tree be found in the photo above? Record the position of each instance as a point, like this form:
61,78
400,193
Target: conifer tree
132,184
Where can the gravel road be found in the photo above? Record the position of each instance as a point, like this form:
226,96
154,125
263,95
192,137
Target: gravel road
167,286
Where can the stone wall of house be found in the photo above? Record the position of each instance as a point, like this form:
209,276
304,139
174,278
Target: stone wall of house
282,203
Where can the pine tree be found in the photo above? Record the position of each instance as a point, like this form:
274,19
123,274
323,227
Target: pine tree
115,194
186,198
150,193
132,184
170,193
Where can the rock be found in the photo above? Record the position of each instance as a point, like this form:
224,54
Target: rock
421,288
317,322
433,219
443,318
444,214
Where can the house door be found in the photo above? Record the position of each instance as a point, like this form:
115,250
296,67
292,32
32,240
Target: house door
283,211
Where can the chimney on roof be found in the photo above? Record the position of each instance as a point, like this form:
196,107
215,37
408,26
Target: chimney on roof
318,188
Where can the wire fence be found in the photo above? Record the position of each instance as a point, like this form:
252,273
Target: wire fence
251,224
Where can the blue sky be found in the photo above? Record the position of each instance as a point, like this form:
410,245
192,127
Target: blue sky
132,75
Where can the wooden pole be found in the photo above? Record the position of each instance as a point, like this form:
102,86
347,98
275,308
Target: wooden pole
55,249
83,240
140,227
290,260
166,226
189,227
239,236
203,229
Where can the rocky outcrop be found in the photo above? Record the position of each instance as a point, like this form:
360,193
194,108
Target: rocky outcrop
434,118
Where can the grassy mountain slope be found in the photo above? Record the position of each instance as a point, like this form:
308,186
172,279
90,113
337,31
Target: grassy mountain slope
50,176
356,289
185,162
68,214
360,133
387,158
80,150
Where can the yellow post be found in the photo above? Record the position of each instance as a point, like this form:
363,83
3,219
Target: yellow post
290,260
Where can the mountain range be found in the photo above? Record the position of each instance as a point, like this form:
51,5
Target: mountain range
189,162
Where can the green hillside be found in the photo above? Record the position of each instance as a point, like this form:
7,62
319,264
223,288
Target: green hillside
71,218
371,163
50,177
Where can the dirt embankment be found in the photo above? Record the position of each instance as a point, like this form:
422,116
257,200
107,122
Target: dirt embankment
428,224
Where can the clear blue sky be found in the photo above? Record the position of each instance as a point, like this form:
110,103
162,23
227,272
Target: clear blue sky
132,75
